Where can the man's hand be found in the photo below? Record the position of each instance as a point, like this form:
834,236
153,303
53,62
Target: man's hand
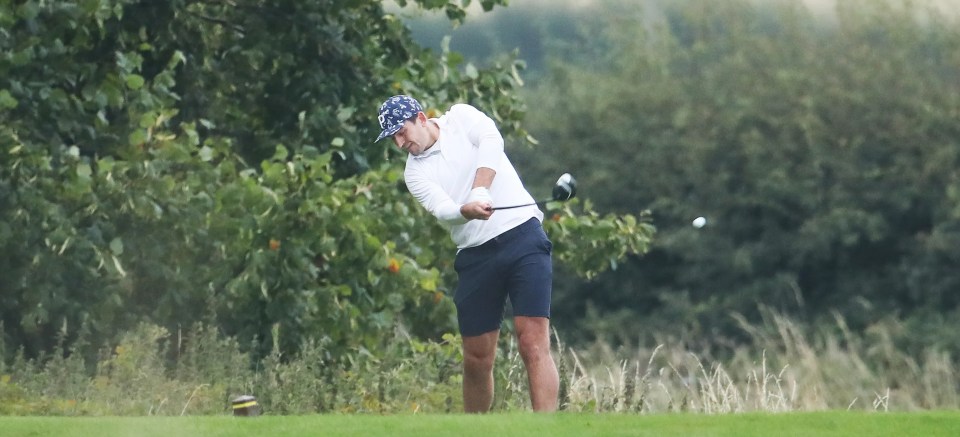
479,205
477,210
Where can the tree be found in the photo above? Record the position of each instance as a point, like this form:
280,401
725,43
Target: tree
181,161
822,155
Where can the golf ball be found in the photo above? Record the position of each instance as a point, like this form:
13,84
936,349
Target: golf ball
699,222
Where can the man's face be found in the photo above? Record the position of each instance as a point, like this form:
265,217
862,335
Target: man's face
413,137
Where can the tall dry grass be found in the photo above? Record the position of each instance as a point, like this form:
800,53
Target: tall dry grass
783,367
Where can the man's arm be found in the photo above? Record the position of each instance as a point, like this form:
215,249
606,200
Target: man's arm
480,205
484,177
434,199
483,133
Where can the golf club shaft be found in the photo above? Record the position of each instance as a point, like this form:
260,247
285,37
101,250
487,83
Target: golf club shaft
520,206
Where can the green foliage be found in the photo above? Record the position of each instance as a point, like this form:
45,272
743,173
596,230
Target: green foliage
175,162
533,30
822,151
785,366
591,244
134,377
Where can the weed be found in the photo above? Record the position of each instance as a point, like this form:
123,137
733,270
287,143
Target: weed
198,371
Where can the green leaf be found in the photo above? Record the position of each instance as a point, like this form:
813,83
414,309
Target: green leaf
83,171
206,154
134,81
116,246
28,11
105,165
281,153
118,266
471,71
137,137
7,101
428,283
344,114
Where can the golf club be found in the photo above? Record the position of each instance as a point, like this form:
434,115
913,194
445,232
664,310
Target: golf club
564,190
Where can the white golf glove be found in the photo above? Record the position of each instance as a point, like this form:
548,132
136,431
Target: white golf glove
480,194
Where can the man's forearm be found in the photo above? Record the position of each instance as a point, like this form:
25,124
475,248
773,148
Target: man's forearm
484,177
479,204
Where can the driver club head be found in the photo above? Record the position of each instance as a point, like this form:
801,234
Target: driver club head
565,188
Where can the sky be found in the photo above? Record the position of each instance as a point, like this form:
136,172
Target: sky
950,7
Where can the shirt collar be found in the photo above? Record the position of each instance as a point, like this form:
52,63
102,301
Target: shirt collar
433,150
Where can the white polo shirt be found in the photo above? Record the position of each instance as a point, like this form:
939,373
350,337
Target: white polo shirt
441,177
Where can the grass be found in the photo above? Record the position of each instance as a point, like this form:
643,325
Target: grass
785,368
522,424
788,381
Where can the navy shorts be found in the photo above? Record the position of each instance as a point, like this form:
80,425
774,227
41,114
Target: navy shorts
516,264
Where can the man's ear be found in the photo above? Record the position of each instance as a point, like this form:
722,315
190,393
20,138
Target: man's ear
421,117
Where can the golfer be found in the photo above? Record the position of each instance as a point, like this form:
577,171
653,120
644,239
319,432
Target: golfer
457,169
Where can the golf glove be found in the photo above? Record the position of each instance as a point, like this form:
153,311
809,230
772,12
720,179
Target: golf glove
481,194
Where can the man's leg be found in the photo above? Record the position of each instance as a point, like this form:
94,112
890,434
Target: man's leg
533,335
479,353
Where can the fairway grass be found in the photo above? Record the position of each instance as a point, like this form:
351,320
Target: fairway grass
519,424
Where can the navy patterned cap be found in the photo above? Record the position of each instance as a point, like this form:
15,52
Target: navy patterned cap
394,112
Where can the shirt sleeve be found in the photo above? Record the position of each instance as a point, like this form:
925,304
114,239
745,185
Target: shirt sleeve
433,198
482,132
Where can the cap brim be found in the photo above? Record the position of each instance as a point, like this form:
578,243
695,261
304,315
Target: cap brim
387,132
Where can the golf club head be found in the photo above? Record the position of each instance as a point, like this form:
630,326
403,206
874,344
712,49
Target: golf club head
565,188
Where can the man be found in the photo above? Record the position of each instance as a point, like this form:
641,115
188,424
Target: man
457,169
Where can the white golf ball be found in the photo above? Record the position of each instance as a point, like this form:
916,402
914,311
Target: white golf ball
699,222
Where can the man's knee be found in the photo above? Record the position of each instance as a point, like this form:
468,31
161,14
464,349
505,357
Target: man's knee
533,347
534,340
480,352
478,360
